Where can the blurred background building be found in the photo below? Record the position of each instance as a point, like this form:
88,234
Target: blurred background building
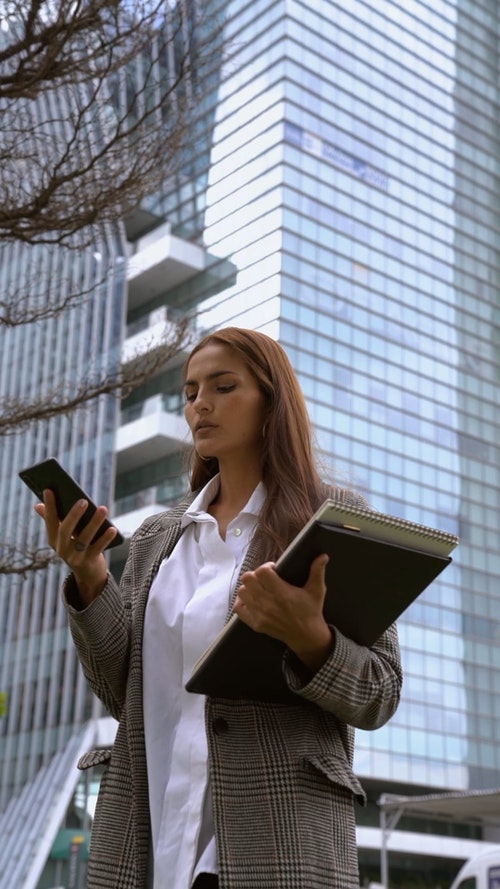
343,197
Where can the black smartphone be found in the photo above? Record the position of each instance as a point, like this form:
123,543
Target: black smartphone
50,474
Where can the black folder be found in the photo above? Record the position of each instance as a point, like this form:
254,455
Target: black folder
378,566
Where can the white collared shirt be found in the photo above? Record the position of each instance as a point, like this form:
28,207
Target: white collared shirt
187,606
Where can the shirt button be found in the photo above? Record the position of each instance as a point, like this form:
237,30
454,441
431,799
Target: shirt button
220,726
237,532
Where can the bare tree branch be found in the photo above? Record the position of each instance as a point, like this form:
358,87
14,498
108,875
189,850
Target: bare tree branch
75,182
40,296
112,117
52,44
18,414
100,101
17,561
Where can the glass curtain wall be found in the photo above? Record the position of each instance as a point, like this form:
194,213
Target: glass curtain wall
46,697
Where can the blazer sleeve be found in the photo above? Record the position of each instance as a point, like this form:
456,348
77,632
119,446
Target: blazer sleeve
360,686
108,633
102,634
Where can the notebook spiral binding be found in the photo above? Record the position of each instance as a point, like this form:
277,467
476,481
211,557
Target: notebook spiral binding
379,518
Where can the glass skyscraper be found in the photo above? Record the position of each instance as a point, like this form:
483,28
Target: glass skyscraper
346,202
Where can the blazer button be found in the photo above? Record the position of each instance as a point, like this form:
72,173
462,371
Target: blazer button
220,726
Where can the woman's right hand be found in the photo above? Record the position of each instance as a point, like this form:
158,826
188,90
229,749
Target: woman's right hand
85,559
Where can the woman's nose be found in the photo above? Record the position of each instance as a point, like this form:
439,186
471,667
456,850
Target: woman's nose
201,402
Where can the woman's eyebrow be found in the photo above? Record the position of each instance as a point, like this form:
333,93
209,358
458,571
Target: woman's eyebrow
211,376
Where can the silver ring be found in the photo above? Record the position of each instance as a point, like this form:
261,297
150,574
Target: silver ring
79,546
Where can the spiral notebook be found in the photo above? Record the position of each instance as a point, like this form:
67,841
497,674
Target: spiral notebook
379,564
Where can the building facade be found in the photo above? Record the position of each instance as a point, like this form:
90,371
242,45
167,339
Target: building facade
346,202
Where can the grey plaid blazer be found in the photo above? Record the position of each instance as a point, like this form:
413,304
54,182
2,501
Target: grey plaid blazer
282,780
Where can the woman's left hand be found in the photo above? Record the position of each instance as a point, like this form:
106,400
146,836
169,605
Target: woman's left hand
292,614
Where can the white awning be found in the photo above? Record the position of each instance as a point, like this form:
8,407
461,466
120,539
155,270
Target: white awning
467,805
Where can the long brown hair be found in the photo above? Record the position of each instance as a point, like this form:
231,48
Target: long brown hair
294,489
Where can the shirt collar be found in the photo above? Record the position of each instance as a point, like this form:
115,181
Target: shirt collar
203,499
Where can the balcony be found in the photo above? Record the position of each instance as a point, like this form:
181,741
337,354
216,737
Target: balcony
161,261
129,512
149,432
150,335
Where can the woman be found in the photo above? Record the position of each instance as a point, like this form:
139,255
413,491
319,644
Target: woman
207,791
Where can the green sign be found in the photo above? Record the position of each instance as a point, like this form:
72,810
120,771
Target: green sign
71,842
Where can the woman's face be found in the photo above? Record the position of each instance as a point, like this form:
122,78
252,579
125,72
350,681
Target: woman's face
224,405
